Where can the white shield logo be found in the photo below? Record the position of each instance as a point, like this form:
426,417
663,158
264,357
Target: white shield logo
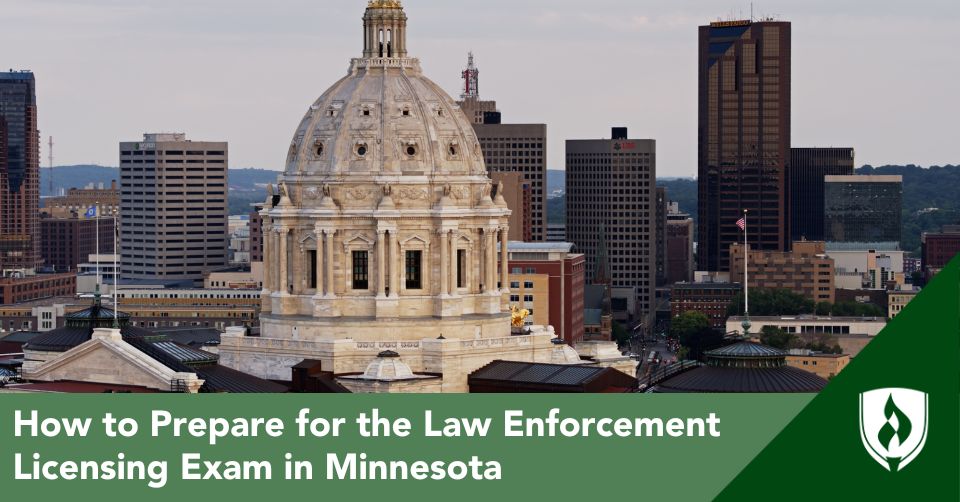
893,425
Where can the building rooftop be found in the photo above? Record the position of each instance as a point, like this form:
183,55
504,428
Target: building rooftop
708,285
809,318
553,247
862,246
861,178
542,377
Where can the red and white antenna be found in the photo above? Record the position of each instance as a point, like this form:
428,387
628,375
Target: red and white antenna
470,79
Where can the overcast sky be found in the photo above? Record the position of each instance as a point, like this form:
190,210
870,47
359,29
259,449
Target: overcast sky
881,76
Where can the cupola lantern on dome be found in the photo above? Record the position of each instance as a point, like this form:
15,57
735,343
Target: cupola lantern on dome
384,30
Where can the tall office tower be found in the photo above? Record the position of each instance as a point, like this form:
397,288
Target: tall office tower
661,233
520,148
509,148
473,107
862,209
744,137
611,191
173,207
679,245
19,174
808,167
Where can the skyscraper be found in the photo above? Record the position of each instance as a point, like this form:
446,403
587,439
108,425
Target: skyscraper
808,167
19,173
518,148
743,135
862,209
173,206
611,185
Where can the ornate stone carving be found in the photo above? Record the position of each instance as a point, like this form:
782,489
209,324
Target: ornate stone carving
358,193
413,193
459,192
311,193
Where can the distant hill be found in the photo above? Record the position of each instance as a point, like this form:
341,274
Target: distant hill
931,197
246,185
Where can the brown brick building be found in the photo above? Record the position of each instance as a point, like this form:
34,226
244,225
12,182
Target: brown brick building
709,298
256,233
67,242
78,200
33,287
805,270
517,193
937,249
547,276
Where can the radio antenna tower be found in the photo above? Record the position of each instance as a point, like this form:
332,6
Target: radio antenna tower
50,159
470,79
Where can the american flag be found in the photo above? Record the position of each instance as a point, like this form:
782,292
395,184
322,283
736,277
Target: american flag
742,223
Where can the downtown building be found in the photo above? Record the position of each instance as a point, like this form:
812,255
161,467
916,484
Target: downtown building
743,137
22,277
809,168
863,209
520,148
611,196
173,207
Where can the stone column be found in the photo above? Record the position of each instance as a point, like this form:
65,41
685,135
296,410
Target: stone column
318,238
490,276
455,268
381,265
284,260
395,265
503,259
267,250
444,262
328,276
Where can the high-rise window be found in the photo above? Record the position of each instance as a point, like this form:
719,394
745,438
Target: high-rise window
413,262
360,270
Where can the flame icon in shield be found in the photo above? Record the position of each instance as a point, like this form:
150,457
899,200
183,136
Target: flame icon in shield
893,425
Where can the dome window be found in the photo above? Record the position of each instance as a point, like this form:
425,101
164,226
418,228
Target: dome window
406,111
365,111
318,149
411,149
440,112
452,149
361,149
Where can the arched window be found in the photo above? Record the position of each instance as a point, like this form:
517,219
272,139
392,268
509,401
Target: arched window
389,43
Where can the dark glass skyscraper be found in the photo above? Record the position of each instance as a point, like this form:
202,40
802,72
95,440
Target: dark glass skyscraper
808,167
744,136
19,173
862,209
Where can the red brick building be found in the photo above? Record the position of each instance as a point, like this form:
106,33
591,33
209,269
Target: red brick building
937,249
68,242
256,233
547,276
32,287
709,298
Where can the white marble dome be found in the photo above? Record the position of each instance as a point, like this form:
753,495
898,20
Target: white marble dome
384,118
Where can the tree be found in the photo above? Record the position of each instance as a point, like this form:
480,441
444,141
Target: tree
776,337
823,308
772,302
693,330
620,334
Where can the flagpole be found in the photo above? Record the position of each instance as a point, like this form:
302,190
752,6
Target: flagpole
96,223
116,275
746,282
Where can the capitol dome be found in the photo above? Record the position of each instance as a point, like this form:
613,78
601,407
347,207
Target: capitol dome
385,118
384,232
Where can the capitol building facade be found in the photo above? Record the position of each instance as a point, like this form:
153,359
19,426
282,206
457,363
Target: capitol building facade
385,240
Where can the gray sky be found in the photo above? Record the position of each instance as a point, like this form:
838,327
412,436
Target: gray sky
877,75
